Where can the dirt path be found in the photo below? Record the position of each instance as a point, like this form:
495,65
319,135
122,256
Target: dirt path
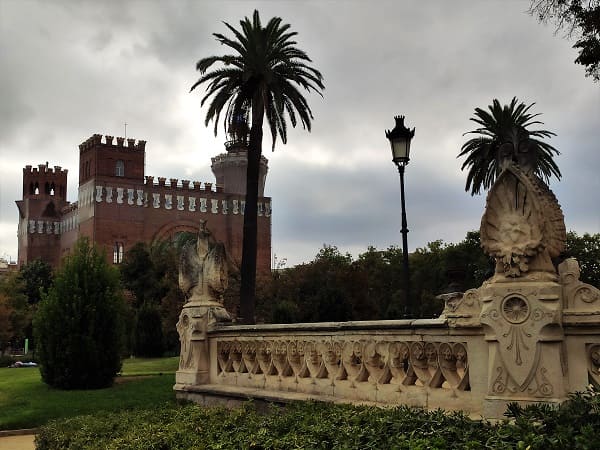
22,442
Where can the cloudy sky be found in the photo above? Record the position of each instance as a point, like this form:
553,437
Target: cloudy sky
71,69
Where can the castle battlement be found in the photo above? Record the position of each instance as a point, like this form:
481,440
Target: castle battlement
185,185
108,141
44,168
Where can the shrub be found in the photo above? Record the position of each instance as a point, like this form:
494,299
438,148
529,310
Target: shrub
78,327
310,425
148,332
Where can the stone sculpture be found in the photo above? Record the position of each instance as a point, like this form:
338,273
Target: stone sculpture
203,277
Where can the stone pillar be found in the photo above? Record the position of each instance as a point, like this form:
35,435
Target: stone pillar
194,360
522,322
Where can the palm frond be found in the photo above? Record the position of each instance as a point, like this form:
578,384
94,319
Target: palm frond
496,126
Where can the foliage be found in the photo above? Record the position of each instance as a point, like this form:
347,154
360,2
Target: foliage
586,250
149,341
504,125
261,78
15,312
334,287
26,402
151,273
310,425
37,279
581,19
78,325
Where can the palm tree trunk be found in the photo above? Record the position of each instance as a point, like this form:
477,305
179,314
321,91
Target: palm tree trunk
249,246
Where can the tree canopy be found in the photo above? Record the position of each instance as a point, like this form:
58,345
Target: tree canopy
581,21
78,325
501,137
260,78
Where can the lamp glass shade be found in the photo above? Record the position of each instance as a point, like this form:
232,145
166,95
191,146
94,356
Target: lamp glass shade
400,149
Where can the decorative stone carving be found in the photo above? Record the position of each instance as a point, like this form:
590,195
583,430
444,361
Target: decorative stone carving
577,295
355,362
203,279
462,309
522,226
203,269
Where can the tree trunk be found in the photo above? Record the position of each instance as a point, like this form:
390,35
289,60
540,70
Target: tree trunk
248,269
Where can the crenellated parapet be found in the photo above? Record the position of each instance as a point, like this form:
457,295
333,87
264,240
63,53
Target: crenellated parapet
194,198
45,169
152,182
108,141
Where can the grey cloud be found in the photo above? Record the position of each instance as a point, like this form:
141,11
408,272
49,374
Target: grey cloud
72,69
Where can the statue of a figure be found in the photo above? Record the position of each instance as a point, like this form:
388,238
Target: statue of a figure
203,269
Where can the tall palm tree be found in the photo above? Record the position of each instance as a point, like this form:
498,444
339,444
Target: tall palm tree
503,135
261,77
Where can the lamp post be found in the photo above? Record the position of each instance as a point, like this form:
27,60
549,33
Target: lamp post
400,138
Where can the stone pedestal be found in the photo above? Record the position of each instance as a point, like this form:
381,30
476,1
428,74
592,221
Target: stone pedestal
523,327
194,360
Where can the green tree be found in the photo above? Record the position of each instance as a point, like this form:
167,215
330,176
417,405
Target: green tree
586,250
151,273
78,325
148,332
581,20
261,78
501,136
15,311
37,276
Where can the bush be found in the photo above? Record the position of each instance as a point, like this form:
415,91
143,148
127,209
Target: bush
310,425
78,326
148,332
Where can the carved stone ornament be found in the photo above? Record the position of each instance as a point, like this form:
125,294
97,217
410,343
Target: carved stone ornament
522,226
354,362
520,319
203,269
593,362
578,296
462,309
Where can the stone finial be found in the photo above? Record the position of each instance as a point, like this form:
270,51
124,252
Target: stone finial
150,180
109,139
131,143
185,184
97,138
141,145
120,141
208,186
173,182
161,181
197,185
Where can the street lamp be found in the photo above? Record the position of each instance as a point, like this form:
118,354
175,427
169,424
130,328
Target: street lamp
400,138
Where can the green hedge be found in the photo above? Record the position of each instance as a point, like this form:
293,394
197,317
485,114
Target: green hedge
327,426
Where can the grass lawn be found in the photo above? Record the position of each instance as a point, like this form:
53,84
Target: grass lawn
26,402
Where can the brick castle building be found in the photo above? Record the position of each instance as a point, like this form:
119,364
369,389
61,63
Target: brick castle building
118,205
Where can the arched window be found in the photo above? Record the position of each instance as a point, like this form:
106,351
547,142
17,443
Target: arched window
120,168
52,189
36,188
118,253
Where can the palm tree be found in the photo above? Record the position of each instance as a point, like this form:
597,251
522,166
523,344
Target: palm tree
261,77
503,135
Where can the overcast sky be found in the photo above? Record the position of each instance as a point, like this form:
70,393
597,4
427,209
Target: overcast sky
71,69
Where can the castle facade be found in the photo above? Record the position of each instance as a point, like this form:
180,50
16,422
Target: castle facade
118,205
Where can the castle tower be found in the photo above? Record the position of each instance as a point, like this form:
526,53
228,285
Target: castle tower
109,174
230,168
44,196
